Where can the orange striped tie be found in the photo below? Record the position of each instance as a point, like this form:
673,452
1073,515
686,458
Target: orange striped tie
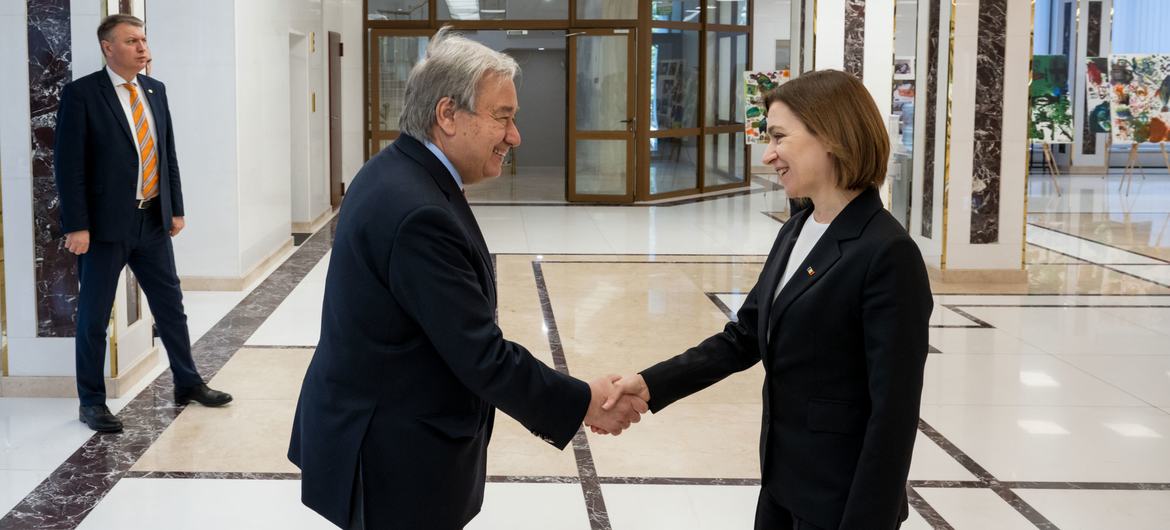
146,150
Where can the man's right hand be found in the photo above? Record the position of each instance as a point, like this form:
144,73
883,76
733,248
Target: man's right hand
77,242
623,410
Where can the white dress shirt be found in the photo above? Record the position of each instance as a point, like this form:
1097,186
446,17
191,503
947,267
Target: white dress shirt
124,97
809,235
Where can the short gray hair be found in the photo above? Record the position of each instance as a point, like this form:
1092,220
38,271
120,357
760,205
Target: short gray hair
105,30
453,68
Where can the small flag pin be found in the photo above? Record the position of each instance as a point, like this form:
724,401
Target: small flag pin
810,271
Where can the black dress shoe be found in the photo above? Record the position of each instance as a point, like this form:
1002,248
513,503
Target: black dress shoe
99,418
203,395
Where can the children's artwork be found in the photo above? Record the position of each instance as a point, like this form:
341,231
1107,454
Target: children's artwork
1097,93
1140,90
755,115
904,67
1048,97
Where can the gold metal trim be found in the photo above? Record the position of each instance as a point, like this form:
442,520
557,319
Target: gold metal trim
816,6
1027,159
946,183
889,182
3,296
113,338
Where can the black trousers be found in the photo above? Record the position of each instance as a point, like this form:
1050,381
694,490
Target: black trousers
151,257
772,516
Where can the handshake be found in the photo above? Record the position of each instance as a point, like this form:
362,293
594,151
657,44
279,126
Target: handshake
617,401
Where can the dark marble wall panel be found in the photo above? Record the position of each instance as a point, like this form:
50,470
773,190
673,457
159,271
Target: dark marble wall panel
987,161
931,125
1093,44
49,68
1092,49
855,37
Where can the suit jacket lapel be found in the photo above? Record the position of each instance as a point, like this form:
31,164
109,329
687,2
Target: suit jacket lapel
848,225
772,274
446,182
156,110
111,97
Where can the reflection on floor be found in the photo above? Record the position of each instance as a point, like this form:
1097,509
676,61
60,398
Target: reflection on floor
1047,408
541,184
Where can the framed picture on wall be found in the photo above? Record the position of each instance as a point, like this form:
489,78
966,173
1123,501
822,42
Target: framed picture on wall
904,67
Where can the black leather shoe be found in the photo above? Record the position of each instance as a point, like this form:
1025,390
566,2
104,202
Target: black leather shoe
202,395
99,418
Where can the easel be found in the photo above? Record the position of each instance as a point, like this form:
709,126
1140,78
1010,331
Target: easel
1130,163
1053,169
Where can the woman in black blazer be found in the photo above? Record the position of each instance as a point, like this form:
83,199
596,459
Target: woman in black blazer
846,298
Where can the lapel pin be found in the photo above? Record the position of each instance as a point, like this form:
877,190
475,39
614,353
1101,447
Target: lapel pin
150,91
810,271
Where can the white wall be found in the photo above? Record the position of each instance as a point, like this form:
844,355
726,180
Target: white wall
198,64
262,124
298,112
308,17
345,17
830,34
878,74
232,135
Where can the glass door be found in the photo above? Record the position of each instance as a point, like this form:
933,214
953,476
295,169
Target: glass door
601,115
393,53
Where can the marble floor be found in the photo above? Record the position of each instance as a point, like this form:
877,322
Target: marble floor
1047,408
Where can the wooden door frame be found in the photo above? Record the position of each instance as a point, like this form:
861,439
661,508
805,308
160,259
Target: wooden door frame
642,40
572,135
336,180
374,136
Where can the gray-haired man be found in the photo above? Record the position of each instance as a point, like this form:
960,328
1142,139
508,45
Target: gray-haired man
397,407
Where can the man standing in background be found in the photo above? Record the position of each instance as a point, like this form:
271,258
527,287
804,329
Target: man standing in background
121,203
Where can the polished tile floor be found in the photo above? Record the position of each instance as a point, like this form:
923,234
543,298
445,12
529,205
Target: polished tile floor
1048,407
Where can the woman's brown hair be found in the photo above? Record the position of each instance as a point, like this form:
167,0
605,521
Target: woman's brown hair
836,108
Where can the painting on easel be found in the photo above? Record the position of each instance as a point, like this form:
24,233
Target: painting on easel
1051,121
1139,97
756,84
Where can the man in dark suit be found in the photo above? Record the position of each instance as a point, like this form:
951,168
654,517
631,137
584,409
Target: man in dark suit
121,203
397,407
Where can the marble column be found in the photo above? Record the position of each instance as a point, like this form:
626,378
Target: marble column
855,37
930,131
988,156
972,229
49,68
1089,149
43,45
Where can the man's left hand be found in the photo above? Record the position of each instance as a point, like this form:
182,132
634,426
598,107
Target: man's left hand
177,225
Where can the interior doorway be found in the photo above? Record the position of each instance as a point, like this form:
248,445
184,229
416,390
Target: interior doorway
534,171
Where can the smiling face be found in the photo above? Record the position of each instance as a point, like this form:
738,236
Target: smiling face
126,49
477,142
800,159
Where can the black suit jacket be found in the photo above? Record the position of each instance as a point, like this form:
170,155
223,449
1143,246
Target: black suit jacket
843,367
411,364
96,158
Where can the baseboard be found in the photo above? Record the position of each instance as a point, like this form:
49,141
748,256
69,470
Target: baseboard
315,225
982,276
62,386
1083,170
220,283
